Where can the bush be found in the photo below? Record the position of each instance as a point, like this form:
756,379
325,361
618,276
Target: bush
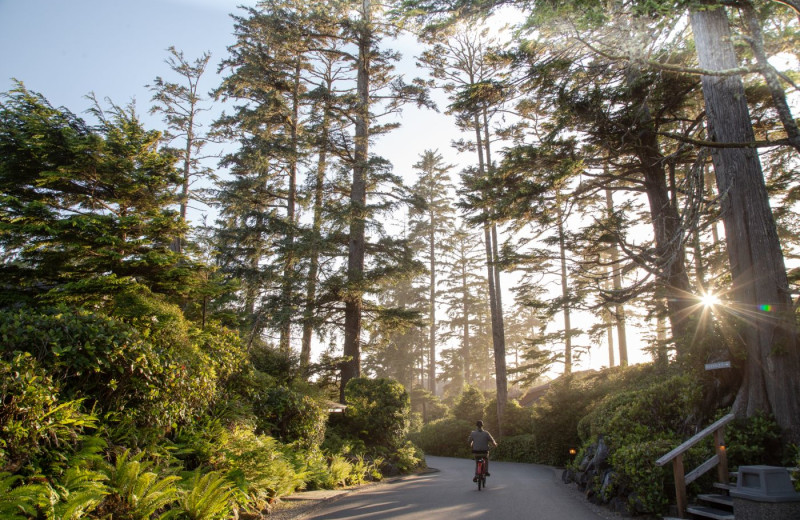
470,405
149,368
258,466
521,448
378,411
518,420
557,414
428,406
638,478
755,440
290,416
669,405
34,425
444,438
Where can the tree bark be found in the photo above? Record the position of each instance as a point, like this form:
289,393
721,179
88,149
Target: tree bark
562,252
291,201
761,301
498,327
616,276
432,309
316,229
351,367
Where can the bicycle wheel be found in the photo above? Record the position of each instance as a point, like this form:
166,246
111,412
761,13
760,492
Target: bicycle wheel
481,482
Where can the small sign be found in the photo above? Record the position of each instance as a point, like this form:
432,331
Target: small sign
718,365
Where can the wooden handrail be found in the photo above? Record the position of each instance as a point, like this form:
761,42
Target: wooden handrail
719,459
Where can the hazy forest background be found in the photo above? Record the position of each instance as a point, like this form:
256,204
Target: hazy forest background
187,304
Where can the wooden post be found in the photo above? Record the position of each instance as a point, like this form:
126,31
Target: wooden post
680,485
719,445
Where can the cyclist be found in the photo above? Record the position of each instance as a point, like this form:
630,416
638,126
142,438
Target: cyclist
479,441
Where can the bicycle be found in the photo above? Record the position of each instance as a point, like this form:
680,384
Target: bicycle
480,471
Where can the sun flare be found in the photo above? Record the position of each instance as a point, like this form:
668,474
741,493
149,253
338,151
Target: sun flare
709,300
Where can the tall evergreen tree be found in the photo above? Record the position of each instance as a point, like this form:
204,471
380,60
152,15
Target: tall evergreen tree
430,230
86,209
181,104
462,64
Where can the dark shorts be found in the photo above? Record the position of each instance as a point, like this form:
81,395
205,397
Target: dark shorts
479,454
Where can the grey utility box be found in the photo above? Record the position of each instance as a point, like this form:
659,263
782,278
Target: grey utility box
765,493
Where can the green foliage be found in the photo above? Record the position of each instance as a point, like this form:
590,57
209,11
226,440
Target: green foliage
147,365
755,440
77,493
339,470
290,416
209,497
470,405
520,448
668,405
85,208
518,420
556,417
258,466
444,438
19,501
637,475
378,411
34,425
136,492
427,405
408,457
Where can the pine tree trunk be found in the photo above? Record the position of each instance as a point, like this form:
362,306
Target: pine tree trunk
562,252
351,368
619,310
670,253
291,196
432,309
316,229
760,292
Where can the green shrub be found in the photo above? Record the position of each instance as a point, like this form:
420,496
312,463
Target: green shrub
470,405
521,448
556,416
444,438
34,425
258,466
135,491
290,416
209,497
378,411
755,440
20,501
148,367
518,420
407,458
638,477
669,405
427,405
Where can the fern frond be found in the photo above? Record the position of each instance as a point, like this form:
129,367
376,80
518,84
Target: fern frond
209,498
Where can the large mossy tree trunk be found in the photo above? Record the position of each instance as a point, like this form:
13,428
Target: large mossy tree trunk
760,299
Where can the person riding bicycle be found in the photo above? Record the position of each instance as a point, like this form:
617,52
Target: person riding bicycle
479,441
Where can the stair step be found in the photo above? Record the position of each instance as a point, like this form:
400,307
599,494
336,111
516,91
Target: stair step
722,485
725,500
710,512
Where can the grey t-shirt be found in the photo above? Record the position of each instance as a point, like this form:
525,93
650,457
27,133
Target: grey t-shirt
480,440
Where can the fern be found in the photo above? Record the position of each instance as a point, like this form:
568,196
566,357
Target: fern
141,490
79,492
20,502
209,498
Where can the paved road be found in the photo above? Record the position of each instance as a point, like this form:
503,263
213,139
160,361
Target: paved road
513,491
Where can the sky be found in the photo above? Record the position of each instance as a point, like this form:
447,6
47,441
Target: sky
67,49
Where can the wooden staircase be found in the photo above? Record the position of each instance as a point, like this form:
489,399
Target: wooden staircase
719,505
